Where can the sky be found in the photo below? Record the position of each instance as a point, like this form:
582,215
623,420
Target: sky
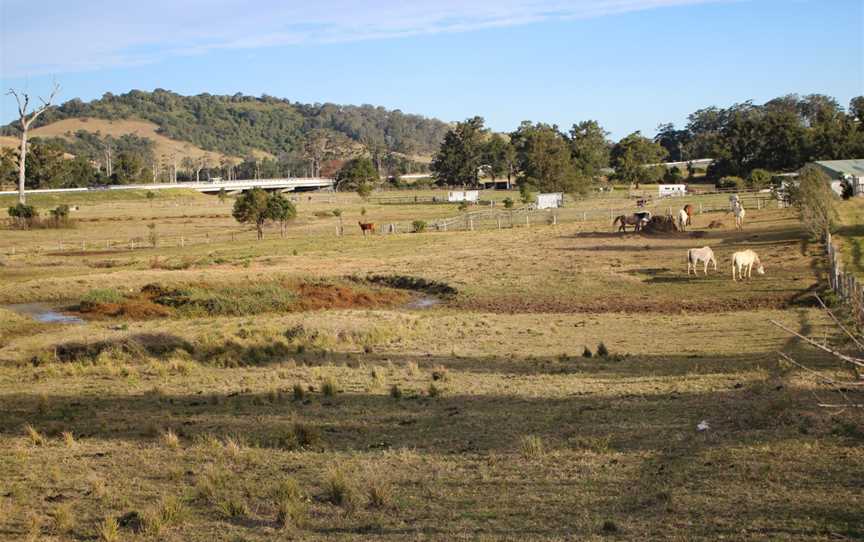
629,64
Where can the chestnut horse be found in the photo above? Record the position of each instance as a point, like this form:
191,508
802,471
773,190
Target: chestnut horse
367,227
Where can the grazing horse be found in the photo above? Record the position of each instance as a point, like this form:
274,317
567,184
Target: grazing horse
743,261
637,220
696,255
739,211
367,227
683,220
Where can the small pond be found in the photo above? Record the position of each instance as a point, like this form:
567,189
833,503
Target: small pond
47,313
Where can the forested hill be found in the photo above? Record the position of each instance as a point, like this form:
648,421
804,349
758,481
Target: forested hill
238,124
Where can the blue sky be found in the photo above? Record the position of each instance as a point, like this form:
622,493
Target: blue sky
630,64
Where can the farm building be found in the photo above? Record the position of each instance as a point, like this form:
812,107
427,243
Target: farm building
851,171
471,196
550,201
671,190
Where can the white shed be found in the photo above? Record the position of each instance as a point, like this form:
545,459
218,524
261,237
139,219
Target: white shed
472,196
671,190
550,201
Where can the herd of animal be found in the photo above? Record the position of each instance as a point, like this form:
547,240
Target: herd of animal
743,261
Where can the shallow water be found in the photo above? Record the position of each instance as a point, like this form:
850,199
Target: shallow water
423,303
43,312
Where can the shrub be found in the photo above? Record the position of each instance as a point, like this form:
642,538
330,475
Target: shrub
395,392
508,203
586,353
730,182
759,178
23,215
434,391
60,215
816,202
419,226
463,206
602,351
68,439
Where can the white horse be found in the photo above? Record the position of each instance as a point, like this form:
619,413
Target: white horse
696,255
743,261
683,217
739,211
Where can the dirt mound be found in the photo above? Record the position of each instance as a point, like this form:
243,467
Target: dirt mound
715,224
329,296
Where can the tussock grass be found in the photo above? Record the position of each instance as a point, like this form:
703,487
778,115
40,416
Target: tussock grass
68,439
532,447
34,436
330,387
395,392
341,488
170,439
109,530
64,518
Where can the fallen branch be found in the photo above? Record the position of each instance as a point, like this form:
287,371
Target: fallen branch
841,326
853,361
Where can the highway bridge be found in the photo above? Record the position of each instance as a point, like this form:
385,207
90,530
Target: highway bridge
292,184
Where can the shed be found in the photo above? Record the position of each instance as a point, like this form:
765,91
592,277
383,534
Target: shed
671,190
472,196
551,200
851,171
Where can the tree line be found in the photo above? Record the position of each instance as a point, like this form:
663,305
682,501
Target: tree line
748,143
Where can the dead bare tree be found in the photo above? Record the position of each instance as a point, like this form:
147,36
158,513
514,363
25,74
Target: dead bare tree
26,119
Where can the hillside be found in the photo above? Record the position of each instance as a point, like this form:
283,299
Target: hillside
239,125
163,146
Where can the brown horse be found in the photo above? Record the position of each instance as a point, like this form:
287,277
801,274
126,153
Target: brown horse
367,227
637,220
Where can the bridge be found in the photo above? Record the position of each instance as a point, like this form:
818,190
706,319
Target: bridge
290,184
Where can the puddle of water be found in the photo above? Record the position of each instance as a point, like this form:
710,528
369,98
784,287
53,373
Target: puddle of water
43,312
423,303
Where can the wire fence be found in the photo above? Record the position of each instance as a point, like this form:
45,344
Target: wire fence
489,218
846,285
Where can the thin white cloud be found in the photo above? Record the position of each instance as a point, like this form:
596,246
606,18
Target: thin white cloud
60,36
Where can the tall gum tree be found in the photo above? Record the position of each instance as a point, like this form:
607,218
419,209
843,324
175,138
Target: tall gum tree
26,119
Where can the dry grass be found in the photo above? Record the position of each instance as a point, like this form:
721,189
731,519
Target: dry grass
529,441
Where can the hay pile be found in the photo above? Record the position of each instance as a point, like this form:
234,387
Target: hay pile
660,224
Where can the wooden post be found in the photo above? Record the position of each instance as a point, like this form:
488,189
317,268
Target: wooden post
61,245
108,244
554,219
132,244
83,246
700,207
498,220
527,221
471,223
584,216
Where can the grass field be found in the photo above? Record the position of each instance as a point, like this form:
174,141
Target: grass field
295,389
